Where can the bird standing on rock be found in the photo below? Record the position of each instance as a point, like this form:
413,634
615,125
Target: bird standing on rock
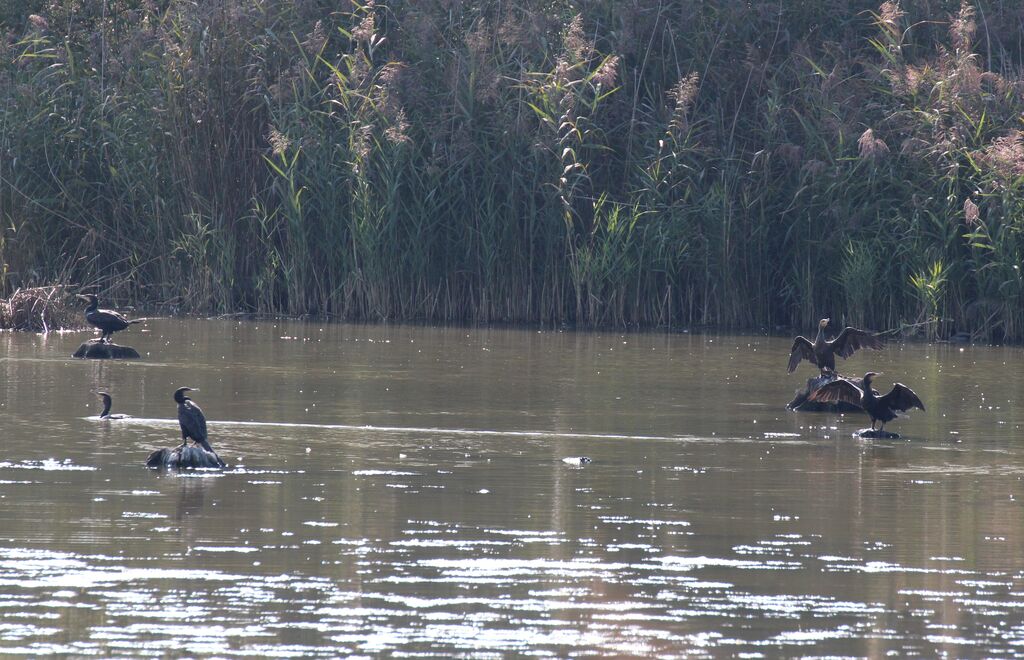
106,320
193,425
822,353
191,419
880,408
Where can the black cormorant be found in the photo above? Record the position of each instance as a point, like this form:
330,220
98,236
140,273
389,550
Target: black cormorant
106,408
108,321
191,419
880,408
823,353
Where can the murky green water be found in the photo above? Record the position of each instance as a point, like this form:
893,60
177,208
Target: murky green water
401,491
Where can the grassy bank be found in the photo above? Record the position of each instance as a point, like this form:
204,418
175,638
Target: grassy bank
627,163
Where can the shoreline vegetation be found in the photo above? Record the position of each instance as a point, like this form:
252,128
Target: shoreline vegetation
633,164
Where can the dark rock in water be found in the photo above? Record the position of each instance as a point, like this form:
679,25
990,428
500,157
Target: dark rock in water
877,433
800,401
189,456
96,349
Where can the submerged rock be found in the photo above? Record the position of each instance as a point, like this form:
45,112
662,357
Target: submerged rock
800,401
189,456
97,349
877,433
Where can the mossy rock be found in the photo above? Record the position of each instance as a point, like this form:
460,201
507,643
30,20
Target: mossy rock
189,456
96,349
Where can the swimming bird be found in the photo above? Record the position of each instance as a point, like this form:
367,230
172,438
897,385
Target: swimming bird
106,408
822,353
108,321
191,419
880,408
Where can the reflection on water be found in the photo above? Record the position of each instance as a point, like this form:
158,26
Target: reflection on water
409,491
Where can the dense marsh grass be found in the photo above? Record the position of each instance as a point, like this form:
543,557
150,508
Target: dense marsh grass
640,163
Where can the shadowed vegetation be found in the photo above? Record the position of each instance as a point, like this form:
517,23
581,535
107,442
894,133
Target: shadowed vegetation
603,163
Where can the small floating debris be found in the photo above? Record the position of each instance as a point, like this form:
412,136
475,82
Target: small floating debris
577,460
97,349
189,456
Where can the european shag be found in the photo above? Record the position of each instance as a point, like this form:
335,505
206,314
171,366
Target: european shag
822,353
106,408
880,408
191,419
108,321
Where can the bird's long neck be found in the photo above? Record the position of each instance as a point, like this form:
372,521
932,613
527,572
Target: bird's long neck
868,392
820,338
93,306
106,407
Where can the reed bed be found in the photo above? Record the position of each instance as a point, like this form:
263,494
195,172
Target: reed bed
40,309
608,163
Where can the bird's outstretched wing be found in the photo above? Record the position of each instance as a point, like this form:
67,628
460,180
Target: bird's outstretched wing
802,350
902,398
850,340
838,390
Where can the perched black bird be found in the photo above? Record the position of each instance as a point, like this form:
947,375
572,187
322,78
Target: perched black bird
880,408
193,425
106,408
108,321
191,419
823,353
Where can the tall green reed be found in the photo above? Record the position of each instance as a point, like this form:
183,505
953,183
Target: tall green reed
721,163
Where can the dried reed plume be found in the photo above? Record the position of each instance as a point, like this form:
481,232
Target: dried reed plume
574,42
889,16
872,148
971,212
608,72
962,27
684,93
396,133
364,32
279,142
1005,156
316,40
38,22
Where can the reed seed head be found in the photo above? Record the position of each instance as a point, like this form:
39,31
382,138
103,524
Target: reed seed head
872,148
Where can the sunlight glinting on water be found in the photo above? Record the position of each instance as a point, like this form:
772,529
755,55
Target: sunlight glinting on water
694,528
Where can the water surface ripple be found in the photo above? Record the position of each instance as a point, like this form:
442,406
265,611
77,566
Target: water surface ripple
402,491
